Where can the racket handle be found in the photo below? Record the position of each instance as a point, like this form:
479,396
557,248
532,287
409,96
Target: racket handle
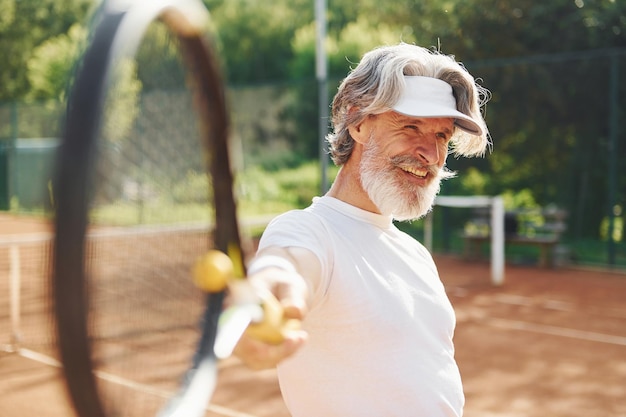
215,270
274,326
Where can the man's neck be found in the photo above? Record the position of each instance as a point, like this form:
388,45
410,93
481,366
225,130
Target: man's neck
347,188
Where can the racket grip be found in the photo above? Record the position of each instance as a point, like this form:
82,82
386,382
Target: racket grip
274,326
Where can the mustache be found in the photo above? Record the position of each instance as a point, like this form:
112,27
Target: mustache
442,173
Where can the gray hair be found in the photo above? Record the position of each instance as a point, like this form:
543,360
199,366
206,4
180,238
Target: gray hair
375,85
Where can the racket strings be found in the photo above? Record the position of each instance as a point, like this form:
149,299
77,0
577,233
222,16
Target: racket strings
149,221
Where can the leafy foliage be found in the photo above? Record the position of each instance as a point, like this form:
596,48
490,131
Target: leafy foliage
25,25
51,63
547,65
285,189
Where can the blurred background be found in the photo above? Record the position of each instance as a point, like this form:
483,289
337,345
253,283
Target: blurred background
556,71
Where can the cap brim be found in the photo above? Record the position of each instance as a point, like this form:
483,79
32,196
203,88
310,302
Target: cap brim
428,97
416,109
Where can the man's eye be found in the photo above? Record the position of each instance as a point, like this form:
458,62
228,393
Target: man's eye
412,127
442,135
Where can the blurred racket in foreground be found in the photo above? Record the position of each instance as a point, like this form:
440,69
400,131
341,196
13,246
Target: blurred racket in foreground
143,189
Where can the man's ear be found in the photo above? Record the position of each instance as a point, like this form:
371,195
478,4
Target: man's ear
360,132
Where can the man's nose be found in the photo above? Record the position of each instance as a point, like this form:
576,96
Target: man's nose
428,150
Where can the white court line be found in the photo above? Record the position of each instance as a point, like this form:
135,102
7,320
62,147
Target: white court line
163,394
47,360
564,306
557,331
38,357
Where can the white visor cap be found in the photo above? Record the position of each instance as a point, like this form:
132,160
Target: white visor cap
432,97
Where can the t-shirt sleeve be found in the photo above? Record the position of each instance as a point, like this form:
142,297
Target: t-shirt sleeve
302,229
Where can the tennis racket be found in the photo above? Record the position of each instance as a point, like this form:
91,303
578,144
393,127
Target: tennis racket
143,188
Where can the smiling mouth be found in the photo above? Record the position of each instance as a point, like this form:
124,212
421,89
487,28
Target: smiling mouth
419,173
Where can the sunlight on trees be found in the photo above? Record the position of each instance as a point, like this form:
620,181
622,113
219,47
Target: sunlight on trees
51,64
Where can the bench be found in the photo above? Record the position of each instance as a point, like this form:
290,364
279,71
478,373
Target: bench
542,228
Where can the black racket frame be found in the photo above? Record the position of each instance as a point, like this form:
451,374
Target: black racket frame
114,31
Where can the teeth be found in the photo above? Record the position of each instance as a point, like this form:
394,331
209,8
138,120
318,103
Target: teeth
417,172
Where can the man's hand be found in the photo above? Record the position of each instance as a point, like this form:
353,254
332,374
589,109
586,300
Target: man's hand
259,355
275,271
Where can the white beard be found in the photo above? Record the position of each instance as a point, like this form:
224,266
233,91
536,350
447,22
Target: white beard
392,195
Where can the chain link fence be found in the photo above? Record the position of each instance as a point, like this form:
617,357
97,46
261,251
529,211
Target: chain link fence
556,123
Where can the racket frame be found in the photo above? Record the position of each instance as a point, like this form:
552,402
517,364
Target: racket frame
119,30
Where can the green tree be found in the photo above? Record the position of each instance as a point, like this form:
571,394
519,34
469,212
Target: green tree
549,113
51,63
24,25
255,36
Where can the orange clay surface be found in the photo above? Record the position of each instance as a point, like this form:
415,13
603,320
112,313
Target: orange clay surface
547,343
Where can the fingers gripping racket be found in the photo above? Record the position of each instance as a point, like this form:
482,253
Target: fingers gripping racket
115,280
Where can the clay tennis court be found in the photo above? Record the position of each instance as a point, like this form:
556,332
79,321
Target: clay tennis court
546,343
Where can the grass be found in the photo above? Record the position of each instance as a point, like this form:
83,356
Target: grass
259,193
262,193
127,214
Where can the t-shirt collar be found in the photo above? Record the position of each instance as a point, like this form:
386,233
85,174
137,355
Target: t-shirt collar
379,220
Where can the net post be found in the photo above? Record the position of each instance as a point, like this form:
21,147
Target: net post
428,232
14,291
497,240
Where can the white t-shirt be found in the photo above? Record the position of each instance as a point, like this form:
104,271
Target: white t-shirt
380,324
